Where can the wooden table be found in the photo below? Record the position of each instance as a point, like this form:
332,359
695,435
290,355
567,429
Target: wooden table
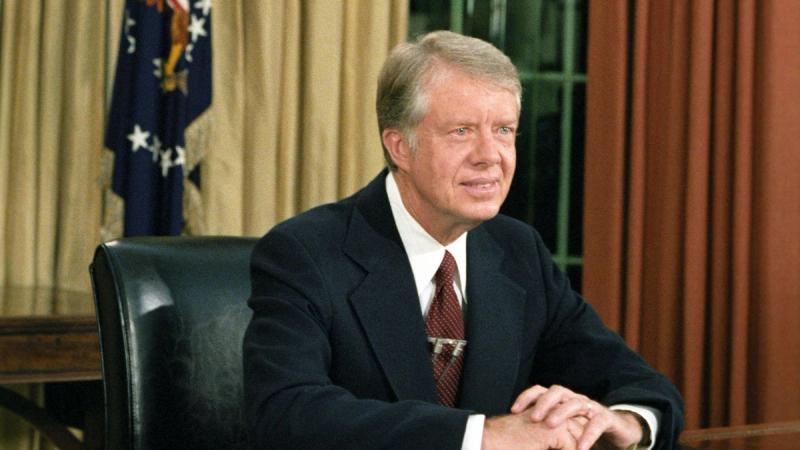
772,436
47,336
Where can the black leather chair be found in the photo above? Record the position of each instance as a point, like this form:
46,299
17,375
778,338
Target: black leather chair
172,313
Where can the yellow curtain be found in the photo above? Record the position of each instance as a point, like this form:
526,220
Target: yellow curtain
293,113
293,126
52,80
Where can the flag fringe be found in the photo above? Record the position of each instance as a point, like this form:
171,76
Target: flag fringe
197,137
113,206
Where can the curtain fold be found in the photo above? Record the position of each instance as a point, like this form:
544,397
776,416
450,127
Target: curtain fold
294,106
692,197
51,120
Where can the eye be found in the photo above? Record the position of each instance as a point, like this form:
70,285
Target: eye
460,131
506,130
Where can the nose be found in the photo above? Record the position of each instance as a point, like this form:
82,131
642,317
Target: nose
487,149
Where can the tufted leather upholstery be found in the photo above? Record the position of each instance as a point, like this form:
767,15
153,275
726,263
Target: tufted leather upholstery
172,313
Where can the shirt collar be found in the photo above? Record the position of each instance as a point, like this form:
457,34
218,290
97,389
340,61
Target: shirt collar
424,252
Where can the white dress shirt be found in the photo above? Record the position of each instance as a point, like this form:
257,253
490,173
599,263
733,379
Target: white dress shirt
425,254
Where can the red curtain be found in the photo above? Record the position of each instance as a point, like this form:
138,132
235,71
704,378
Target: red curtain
692,197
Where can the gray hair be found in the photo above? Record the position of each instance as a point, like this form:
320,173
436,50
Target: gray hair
402,101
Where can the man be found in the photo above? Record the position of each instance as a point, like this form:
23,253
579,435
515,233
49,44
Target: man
412,315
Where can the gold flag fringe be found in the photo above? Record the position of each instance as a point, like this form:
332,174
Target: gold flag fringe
198,135
112,206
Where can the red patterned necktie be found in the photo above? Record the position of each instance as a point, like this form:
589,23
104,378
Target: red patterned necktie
445,322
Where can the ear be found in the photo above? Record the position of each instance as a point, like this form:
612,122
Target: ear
397,146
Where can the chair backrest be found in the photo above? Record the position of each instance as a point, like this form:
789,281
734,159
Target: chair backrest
172,313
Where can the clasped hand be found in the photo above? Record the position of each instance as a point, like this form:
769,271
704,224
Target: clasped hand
558,418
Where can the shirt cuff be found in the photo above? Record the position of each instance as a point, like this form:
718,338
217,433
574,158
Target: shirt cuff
473,435
650,415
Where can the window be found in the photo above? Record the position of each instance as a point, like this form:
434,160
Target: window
546,40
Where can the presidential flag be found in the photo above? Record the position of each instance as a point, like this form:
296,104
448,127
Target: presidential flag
162,88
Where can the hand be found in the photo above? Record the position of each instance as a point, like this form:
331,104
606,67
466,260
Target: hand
516,431
557,404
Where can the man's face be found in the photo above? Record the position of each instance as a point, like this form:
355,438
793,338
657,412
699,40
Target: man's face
462,168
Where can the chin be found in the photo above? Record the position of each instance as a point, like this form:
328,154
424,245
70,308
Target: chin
484,213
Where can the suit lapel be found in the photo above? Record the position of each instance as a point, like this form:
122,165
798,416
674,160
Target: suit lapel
494,328
386,302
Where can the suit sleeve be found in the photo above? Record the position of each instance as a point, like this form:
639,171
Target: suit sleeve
290,399
578,351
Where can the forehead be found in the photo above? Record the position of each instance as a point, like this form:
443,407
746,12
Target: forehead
453,91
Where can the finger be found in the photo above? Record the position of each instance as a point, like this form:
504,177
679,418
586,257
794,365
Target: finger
592,431
527,398
575,426
549,400
623,428
580,420
575,430
576,406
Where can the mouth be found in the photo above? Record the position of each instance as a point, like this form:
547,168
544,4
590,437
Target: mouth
482,186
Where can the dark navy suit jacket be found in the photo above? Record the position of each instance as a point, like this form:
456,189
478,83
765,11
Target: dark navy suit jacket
336,353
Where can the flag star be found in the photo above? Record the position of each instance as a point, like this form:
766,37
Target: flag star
188,52
155,149
205,5
159,63
180,159
138,138
196,27
129,23
166,162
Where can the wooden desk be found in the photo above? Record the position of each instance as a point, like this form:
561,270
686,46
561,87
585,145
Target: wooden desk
772,436
47,336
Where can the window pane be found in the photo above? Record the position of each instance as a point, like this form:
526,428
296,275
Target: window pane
574,273
477,20
581,35
551,36
425,16
534,196
575,244
522,34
